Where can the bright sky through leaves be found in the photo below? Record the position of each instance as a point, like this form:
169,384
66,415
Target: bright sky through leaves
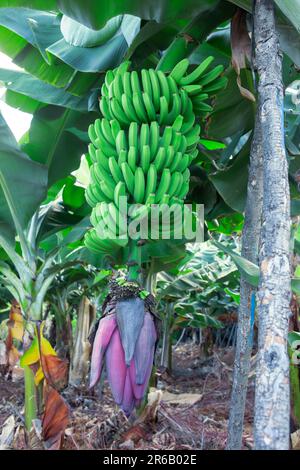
18,121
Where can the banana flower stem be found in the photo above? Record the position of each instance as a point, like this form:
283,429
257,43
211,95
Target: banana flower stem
134,262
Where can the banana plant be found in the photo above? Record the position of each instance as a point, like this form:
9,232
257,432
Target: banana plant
28,279
26,274
141,150
195,295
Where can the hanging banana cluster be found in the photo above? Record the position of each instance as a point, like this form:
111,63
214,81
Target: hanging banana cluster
146,140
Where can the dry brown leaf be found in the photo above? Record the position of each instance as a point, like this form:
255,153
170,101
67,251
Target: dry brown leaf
295,438
134,434
55,419
241,49
55,371
7,434
150,411
15,321
181,398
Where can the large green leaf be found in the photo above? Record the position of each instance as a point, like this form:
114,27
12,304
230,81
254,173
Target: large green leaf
24,36
35,4
23,184
50,142
217,45
25,84
40,29
249,270
291,9
101,57
79,35
231,183
193,34
232,112
95,14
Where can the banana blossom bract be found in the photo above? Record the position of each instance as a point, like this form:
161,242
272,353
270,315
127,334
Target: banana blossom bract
126,341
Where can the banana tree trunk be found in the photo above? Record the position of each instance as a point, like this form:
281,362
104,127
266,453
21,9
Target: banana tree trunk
86,315
250,245
30,398
272,394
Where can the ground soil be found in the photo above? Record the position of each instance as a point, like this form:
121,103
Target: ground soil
197,421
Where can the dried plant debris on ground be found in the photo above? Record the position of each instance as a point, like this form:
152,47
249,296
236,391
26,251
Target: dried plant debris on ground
187,410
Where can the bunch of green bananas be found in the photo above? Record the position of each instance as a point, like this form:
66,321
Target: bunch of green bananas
146,140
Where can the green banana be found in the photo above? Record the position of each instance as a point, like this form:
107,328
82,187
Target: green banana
117,87
132,158
166,138
151,181
176,160
179,70
178,122
183,144
149,107
115,128
188,124
176,141
128,177
145,158
216,85
163,185
139,185
135,84
172,85
169,156
176,182
192,137
153,138
183,190
146,82
155,89
176,109
182,165
121,142
211,76
118,112
139,107
164,85
104,108
193,76
115,169
92,153
184,100
122,157
93,136
109,77
106,131
102,160
202,108
163,110
144,136
107,190
192,89
120,191
128,108
159,160
126,82
133,135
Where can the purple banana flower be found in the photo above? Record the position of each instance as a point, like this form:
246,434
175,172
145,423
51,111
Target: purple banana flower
126,340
